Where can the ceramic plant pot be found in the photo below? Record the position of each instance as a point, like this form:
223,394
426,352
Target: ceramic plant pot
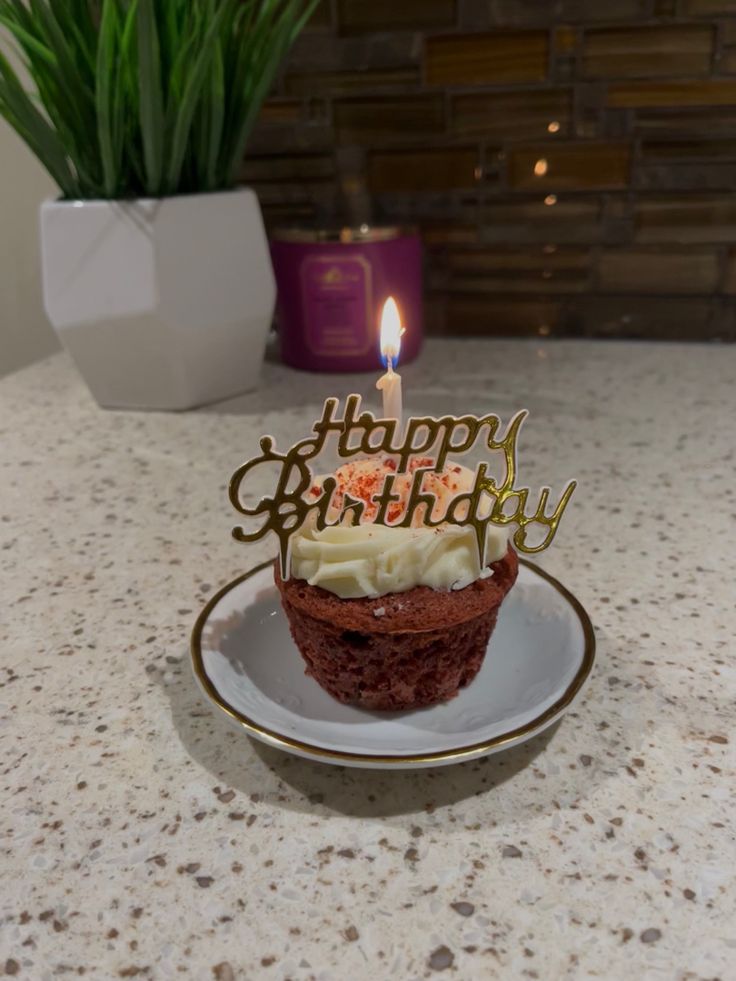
162,304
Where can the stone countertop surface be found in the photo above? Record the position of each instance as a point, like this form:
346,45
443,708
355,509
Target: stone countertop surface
141,836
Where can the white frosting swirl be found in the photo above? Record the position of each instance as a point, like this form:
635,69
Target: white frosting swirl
369,560
372,560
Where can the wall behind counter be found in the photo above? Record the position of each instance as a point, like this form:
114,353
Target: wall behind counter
571,164
25,333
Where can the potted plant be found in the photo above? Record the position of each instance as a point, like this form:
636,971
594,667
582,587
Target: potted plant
156,270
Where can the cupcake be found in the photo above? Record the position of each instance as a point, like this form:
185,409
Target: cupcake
392,618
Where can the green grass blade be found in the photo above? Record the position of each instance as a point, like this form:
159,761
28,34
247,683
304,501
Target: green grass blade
76,21
249,37
216,119
128,67
128,29
67,97
124,103
151,105
143,97
62,176
30,44
301,22
35,130
17,11
191,95
85,51
199,139
262,72
106,71
56,40
171,16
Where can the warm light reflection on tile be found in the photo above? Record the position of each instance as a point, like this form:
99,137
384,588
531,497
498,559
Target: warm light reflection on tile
558,157
572,166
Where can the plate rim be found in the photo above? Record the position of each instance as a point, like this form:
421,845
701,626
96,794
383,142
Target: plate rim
458,754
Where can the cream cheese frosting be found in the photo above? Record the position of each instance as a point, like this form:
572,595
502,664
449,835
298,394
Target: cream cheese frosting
369,560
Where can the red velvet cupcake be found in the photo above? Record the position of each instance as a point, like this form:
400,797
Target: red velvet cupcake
395,618
401,650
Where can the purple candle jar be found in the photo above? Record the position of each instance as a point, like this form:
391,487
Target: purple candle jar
331,290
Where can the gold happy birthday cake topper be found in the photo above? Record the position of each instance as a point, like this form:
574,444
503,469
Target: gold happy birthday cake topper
357,431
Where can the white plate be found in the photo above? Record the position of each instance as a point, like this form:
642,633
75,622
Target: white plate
246,663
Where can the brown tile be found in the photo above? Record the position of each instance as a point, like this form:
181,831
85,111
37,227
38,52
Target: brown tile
676,218
730,280
563,69
728,31
457,207
707,8
590,124
565,166
685,123
302,137
586,11
280,111
275,193
694,92
722,323
655,318
446,233
280,214
529,13
686,175
344,83
548,206
648,51
514,13
477,59
688,149
287,168
565,39
321,18
423,170
617,205
648,271
397,117
358,16
472,315
513,115
613,124
568,221
727,61
533,270
321,52
512,262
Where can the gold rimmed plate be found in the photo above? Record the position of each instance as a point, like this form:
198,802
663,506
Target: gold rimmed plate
246,664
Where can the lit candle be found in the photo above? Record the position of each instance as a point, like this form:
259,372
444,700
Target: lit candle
390,383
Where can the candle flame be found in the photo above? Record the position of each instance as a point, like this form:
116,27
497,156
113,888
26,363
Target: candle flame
391,331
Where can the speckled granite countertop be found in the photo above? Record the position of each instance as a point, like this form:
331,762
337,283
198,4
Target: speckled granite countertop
141,837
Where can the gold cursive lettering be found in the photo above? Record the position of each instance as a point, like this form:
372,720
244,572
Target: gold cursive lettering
359,432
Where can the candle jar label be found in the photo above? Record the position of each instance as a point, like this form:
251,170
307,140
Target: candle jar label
337,304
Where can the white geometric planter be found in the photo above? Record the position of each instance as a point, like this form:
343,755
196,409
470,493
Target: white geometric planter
162,304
